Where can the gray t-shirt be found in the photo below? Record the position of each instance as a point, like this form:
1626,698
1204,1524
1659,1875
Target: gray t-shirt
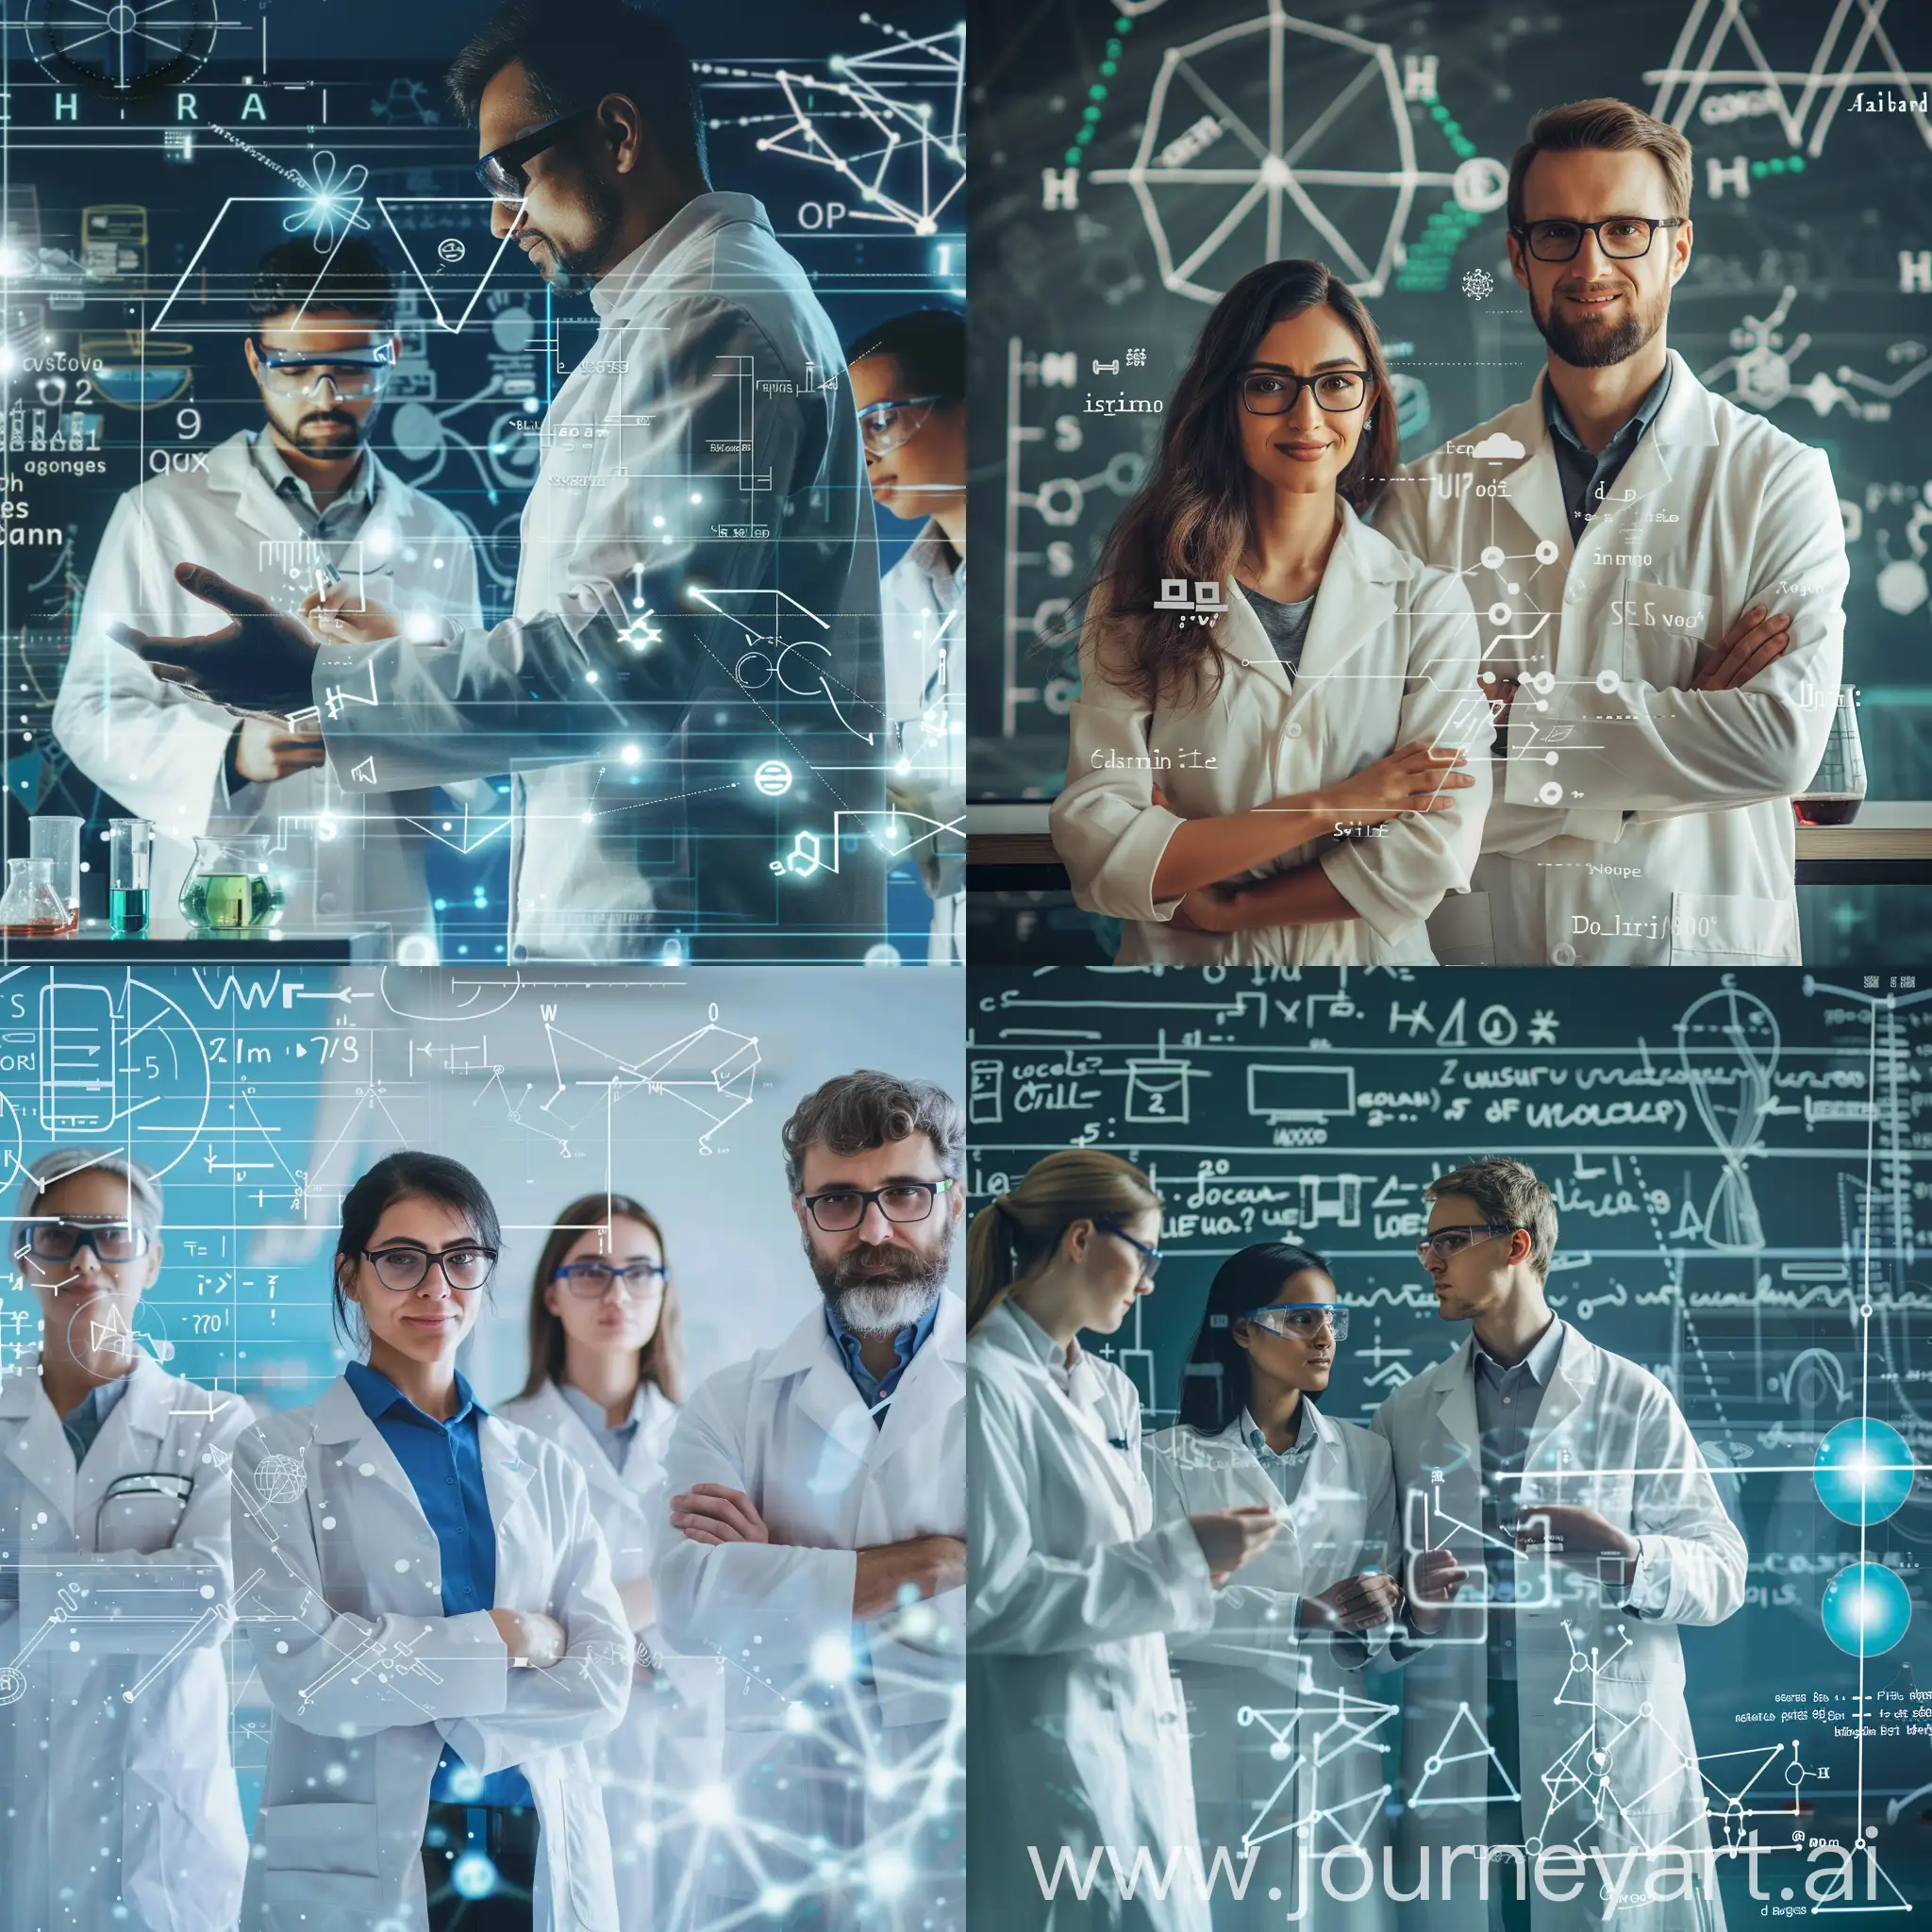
1287,624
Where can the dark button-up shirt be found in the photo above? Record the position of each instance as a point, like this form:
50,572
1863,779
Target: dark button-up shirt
1586,475
1506,1403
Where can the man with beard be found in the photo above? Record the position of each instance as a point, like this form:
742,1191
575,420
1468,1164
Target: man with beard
689,691
818,1509
1661,575
271,509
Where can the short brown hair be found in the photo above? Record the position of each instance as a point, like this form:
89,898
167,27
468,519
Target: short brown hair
1604,123
1507,1195
857,1113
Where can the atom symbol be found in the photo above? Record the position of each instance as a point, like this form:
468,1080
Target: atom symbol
1478,284
332,202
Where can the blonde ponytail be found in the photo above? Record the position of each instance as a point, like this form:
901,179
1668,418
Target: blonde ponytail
1015,1235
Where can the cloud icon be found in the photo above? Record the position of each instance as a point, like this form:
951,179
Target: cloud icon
1497,444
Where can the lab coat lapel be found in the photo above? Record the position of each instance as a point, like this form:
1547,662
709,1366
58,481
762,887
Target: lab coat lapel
1357,598
551,1415
1571,1383
934,1380
130,1440
826,1394
36,1444
232,474
340,1418
1455,1448
508,1474
1247,644
1682,427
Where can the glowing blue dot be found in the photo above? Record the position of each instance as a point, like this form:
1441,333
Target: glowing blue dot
1863,1471
473,1875
1866,1609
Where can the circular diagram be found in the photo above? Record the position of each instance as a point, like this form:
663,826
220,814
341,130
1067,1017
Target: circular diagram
125,50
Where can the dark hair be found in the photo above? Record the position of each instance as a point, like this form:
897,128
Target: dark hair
400,1177
857,1113
1016,1233
662,1358
929,346
1191,517
1214,1383
574,51
1610,124
355,280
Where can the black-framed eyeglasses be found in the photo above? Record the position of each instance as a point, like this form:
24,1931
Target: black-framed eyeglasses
1445,1241
466,1266
501,171
1275,391
838,1210
1622,238
113,1243
883,425
1151,1258
592,1280
295,372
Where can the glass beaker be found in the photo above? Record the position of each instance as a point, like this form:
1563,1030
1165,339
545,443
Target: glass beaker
232,885
58,840
1837,790
131,851
32,907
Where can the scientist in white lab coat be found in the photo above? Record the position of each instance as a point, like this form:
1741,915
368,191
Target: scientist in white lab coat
1285,1729
689,691
1661,577
606,1383
121,1806
909,379
817,1510
1559,1523
1270,755
434,1622
268,510
1079,1781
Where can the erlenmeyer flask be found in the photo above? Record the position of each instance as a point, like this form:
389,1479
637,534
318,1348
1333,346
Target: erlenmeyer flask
32,904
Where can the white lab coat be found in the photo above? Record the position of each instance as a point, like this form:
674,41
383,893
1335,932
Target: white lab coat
671,1739
1390,657
369,1679
1637,822
924,613
1308,1685
349,855
787,1427
1607,1435
121,1806
1080,1745
697,603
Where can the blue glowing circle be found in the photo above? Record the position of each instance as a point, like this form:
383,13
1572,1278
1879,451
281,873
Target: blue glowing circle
1863,1471
473,1875
1865,1609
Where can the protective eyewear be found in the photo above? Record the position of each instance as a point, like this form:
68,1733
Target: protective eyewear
352,378
1275,391
1151,1258
501,171
1302,1320
113,1243
593,1280
838,1210
883,426
1622,238
402,1269
1446,1241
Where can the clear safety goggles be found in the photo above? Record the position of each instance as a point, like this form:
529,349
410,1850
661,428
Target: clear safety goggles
883,426
113,1242
1302,1320
291,375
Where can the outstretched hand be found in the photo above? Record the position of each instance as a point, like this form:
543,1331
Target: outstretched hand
260,661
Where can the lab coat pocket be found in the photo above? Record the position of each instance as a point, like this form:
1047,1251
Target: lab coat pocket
139,1516
1729,929
1662,629
1461,932
321,1872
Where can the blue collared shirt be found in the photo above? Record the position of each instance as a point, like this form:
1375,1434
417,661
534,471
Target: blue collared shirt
615,1443
1587,474
85,1420
877,1391
1286,1469
444,1464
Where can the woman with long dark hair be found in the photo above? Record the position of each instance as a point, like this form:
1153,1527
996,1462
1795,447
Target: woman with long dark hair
606,1375
1285,1733
1280,752
1079,1747
430,1605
